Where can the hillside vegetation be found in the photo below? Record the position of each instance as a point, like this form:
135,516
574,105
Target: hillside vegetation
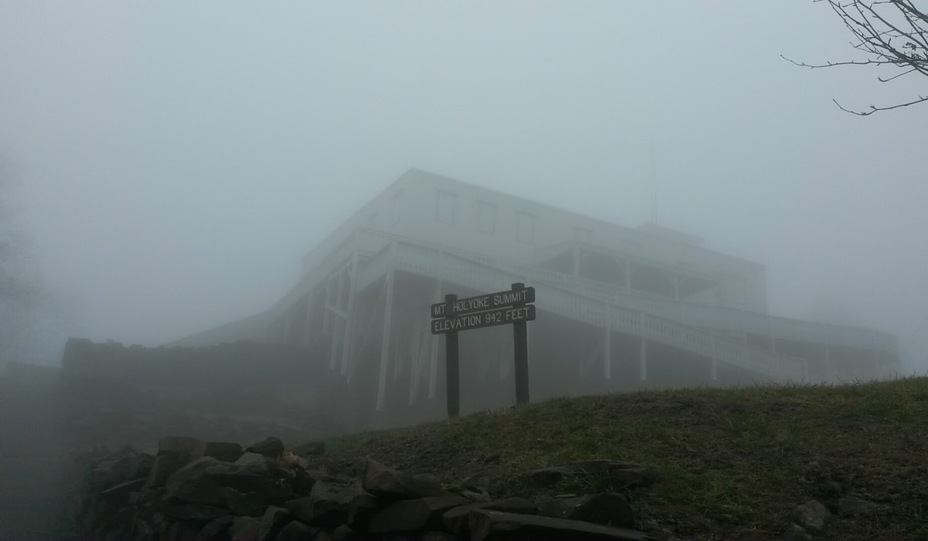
733,463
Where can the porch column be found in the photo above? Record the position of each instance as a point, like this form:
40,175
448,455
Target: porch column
352,312
385,341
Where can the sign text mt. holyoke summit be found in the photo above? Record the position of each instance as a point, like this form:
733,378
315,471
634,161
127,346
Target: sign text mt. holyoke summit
481,303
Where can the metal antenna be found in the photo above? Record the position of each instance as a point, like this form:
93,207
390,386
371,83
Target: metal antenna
653,181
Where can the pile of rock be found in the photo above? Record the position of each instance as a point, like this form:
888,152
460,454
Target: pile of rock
214,491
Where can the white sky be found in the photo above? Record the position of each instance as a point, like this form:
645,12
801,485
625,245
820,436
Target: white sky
177,159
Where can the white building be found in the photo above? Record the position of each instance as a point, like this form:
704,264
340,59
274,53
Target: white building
618,308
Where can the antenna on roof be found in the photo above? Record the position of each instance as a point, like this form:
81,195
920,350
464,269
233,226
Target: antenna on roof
655,215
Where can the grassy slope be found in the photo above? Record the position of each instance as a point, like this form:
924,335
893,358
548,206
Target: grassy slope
733,462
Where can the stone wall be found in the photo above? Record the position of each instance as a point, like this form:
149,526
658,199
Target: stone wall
244,363
215,491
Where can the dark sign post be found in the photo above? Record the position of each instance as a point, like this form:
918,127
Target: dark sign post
502,308
451,367
520,339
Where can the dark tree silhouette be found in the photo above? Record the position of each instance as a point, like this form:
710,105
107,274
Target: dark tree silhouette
891,33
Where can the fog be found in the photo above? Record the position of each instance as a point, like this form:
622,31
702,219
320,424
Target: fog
175,160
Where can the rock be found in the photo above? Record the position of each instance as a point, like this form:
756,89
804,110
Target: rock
271,523
295,531
811,515
202,481
226,452
607,509
477,482
482,496
245,529
303,482
410,515
163,467
248,504
381,480
217,530
122,491
270,447
302,509
456,519
253,461
330,505
795,533
309,448
194,483
192,512
620,473
343,532
182,448
498,525
124,465
178,531
437,536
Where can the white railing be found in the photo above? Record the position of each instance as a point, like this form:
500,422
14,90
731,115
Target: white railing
675,323
482,276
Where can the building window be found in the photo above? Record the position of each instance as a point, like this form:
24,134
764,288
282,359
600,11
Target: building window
445,211
525,228
486,217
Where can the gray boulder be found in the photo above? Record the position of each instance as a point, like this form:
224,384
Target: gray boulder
498,525
456,519
811,515
410,515
607,509
329,505
295,531
203,480
272,522
270,447
384,481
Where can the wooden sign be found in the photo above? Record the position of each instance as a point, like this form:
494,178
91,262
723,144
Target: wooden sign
481,303
501,308
491,318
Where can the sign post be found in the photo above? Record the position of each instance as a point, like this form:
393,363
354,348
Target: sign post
501,308
453,380
520,339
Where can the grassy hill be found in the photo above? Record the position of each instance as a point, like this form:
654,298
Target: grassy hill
733,463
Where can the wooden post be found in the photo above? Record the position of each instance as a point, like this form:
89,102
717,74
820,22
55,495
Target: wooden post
642,350
520,338
643,359
451,366
607,353
433,361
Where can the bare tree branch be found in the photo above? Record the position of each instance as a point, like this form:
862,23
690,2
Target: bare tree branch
890,33
875,109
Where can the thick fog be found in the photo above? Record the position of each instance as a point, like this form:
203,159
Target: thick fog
175,160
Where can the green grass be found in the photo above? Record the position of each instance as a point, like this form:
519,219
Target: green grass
733,462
